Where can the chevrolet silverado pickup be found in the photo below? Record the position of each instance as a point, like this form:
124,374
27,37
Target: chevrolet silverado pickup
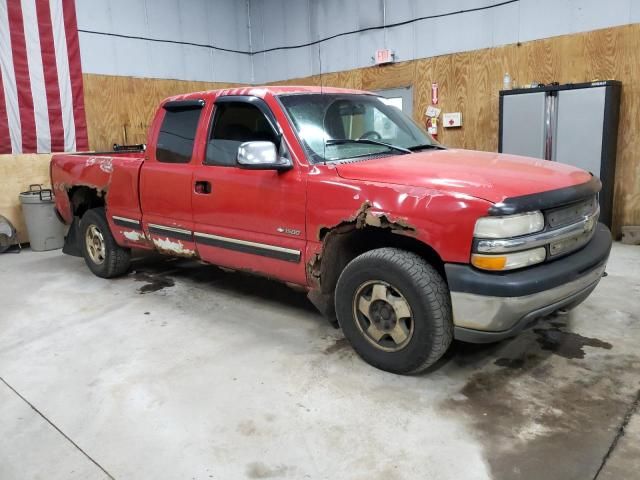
404,243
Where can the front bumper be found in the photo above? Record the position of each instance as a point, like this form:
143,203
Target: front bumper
489,307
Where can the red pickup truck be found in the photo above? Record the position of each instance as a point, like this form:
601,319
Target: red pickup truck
405,243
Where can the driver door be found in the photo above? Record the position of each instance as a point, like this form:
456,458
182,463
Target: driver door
248,219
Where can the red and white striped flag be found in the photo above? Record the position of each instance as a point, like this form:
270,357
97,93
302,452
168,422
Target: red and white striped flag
41,99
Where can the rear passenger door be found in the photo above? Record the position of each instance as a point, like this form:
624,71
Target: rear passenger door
248,219
166,179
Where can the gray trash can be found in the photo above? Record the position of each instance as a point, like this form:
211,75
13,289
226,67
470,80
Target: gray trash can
46,232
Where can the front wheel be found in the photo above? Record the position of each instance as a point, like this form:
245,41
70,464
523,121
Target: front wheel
395,310
104,257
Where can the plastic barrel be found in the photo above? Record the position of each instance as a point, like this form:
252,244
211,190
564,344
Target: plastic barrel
46,231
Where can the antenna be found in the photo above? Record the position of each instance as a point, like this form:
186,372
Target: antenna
324,140
320,66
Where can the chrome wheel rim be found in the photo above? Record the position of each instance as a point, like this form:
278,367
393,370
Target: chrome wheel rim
383,315
94,240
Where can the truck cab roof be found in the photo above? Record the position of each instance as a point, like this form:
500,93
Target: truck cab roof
263,91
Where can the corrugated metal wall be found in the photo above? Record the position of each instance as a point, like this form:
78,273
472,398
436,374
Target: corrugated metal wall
285,22
277,23
222,23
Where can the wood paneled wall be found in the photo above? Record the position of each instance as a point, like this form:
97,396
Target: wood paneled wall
17,172
120,109
469,82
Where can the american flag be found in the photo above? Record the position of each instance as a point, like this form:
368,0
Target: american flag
41,99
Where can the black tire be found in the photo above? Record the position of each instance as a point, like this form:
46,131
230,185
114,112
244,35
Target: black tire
115,259
409,279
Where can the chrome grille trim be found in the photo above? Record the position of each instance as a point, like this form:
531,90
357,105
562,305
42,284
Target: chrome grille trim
569,214
507,245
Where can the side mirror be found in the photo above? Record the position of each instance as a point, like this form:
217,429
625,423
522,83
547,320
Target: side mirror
261,155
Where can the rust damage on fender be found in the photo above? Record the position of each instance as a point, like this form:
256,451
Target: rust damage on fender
101,191
363,217
330,237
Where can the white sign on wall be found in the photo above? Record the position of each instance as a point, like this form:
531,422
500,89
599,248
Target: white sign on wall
453,119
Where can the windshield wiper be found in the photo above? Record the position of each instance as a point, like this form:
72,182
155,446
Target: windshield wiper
426,146
342,141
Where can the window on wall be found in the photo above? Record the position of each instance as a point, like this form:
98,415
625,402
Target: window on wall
177,134
235,123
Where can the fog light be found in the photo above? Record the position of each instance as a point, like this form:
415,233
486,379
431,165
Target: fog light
509,261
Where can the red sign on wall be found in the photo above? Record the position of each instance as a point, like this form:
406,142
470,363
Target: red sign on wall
383,56
434,93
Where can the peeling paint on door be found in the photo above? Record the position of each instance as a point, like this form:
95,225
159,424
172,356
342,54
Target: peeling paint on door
134,236
170,247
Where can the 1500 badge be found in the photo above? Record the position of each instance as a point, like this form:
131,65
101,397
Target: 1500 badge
288,231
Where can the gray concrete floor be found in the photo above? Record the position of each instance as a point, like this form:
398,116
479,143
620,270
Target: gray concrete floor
183,371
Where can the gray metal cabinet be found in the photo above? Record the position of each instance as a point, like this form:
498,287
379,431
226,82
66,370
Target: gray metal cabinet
576,124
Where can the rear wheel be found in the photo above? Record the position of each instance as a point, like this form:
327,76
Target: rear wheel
104,257
395,310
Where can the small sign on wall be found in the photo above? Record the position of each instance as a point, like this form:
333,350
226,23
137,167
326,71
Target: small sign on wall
432,112
450,120
383,56
434,93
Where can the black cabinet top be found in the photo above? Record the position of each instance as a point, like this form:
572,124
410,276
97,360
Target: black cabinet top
565,86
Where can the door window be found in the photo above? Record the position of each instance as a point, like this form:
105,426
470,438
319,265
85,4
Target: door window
235,123
177,133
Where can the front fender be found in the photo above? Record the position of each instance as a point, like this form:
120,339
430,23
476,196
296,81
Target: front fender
444,221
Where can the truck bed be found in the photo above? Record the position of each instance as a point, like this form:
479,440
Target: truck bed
113,175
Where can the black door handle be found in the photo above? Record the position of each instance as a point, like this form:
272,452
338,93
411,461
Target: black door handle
203,187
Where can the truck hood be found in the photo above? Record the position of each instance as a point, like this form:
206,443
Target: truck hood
490,176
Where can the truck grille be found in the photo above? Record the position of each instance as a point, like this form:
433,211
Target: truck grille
559,217
567,229
579,212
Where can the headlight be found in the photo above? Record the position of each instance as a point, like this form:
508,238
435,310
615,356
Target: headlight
509,261
509,226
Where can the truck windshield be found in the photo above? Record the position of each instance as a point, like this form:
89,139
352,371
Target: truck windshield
340,126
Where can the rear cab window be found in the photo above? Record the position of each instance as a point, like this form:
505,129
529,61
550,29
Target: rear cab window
178,132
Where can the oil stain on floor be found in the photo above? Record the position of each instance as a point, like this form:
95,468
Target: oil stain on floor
541,406
153,283
566,344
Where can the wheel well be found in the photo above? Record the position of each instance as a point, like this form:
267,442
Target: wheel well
342,247
84,198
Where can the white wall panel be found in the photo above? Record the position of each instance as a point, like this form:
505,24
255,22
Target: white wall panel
167,61
127,17
163,19
366,44
213,22
521,21
544,18
132,58
276,23
274,66
98,54
593,14
402,40
193,21
94,15
506,24
337,54
634,12
330,17
371,13
228,23
457,33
